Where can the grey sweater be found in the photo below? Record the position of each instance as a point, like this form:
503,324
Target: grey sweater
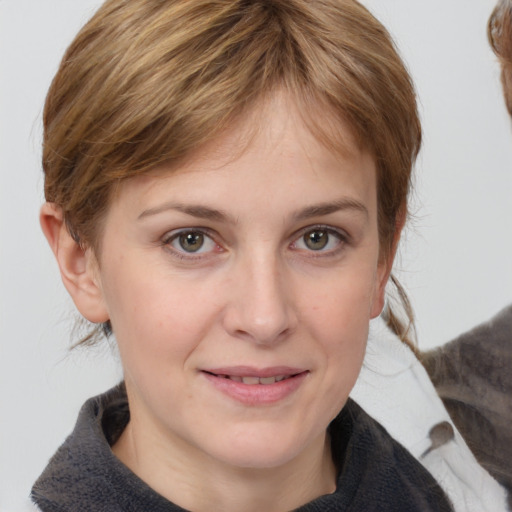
375,472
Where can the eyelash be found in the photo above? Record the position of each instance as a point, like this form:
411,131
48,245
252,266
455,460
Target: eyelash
342,237
169,238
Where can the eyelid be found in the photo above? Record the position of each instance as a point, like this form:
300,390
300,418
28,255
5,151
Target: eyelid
170,236
341,234
174,233
166,240
326,227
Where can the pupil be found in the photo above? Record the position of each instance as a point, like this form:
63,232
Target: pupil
191,242
316,240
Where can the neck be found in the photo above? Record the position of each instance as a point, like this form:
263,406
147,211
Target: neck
202,484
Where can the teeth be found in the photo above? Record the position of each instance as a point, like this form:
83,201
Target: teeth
252,381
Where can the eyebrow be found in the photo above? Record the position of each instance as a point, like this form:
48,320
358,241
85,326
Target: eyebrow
201,212
318,210
205,212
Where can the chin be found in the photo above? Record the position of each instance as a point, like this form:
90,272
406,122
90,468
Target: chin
257,448
261,458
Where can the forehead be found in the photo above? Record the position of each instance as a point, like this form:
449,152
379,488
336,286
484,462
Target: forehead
279,123
262,156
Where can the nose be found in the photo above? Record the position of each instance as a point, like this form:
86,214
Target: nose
261,307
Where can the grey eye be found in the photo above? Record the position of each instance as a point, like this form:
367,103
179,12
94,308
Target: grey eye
316,240
191,241
320,239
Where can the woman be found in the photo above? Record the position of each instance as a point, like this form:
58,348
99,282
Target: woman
226,184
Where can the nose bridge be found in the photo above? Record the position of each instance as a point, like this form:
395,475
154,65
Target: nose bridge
261,307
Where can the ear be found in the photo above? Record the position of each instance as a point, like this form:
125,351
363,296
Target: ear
385,266
78,265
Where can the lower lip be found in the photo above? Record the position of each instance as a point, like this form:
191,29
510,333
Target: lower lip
257,394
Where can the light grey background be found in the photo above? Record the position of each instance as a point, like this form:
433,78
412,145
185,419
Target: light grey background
455,262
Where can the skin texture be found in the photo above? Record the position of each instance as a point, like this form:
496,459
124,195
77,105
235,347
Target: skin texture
254,295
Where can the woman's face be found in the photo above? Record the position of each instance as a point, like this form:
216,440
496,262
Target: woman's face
240,287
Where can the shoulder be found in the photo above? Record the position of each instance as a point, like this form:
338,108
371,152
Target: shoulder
375,472
79,469
84,474
394,479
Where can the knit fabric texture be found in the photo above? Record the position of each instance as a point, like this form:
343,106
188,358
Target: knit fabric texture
375,472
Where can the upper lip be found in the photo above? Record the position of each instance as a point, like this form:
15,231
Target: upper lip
250,371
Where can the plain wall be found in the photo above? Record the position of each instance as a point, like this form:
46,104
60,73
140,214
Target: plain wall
455,262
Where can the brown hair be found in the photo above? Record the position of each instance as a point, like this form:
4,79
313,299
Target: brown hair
145,82
499,31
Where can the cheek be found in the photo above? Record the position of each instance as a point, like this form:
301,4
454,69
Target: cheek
338,316
155,315
339,322
344,299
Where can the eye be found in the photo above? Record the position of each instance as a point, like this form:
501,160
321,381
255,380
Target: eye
319,239
316,240
191,242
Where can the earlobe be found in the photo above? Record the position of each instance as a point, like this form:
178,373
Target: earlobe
382,278
77,265
380,292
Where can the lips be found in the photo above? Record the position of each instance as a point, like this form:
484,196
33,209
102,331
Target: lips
252,376
256,386
253,380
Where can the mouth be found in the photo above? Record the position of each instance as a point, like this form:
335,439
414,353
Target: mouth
254,387
253,380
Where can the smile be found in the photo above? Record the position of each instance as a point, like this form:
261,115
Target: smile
252,381
256,387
